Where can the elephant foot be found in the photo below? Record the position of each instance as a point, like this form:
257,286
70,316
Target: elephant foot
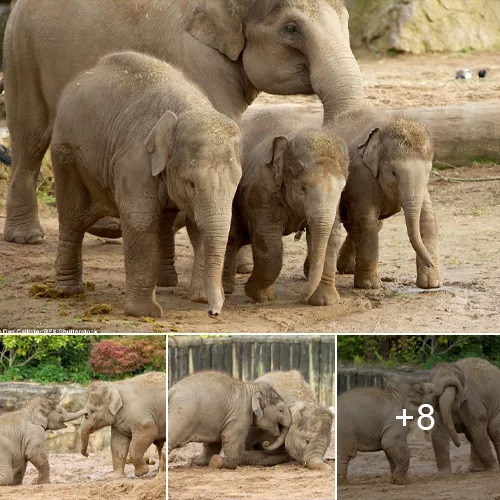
400,480
324,296
42,480
197,293
68,289
107,227
259,294
216,462
342,481
141,469
445,472
167,279
429,278
228,286
200,461
143,309
346,264
25,234
476,468
244,261
367,281
116,474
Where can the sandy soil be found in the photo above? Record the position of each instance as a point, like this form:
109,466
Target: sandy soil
468,215
74,477
369,477
284,481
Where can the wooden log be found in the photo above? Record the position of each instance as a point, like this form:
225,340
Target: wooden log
462,133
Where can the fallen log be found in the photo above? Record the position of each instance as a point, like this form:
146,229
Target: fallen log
459,133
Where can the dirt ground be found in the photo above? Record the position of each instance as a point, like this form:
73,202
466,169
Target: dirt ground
74,477
468,215
285,481
369,476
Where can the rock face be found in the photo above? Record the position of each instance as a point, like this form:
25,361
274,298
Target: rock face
418,26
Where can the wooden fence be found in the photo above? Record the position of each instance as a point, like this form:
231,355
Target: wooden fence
249,357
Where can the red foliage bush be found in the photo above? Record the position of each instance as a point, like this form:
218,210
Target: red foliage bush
127,355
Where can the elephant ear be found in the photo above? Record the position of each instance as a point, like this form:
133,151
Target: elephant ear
213,23
40,415
115,400
274,158
159,142
257,405
369,150
296,413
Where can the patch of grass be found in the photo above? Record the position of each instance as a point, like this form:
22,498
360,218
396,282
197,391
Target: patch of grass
482,160
101,309
3,279
89,286
42,291
48,199
477,213
466,50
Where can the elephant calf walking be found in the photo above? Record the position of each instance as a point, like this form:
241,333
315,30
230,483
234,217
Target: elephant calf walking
215,409
22,439
367,422
136,411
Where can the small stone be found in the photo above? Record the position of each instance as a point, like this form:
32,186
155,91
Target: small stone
482,73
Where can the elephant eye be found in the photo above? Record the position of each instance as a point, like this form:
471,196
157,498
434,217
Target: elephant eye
308,441
303,189
291,28
393,173
190,184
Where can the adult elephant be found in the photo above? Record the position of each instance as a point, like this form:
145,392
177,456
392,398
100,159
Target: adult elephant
469,404
231,49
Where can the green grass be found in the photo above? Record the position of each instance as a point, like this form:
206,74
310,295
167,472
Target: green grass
3,279
484,161
48,199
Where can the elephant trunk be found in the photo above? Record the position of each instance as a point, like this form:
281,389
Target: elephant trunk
280,441
320,224
317,463
412,207
445,407
67,417
85,441
335,74
214,222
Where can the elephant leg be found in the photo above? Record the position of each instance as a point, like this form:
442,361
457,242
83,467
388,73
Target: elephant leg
230,265
197,289
141,440
399,459
365,234
77,212
257,457
6,472
441,446
209,450
326,293
428,277
233,444
342,466
119,450
19,474
479,438
30,139
141,262
167,275
159,446
475,464
38,457
244,260
267,249
346,262
494,433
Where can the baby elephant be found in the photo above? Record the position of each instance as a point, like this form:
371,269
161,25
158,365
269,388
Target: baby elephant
217,410
367,422
391,158
292,177
22,438
133,138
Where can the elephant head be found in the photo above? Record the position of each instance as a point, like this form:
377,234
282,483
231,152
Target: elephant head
202,178
46,412
309,435
399,154
310,169
271,414
451,391
102,406
285,46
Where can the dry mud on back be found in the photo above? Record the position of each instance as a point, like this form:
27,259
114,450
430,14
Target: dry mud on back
74,477
369,477
468,218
